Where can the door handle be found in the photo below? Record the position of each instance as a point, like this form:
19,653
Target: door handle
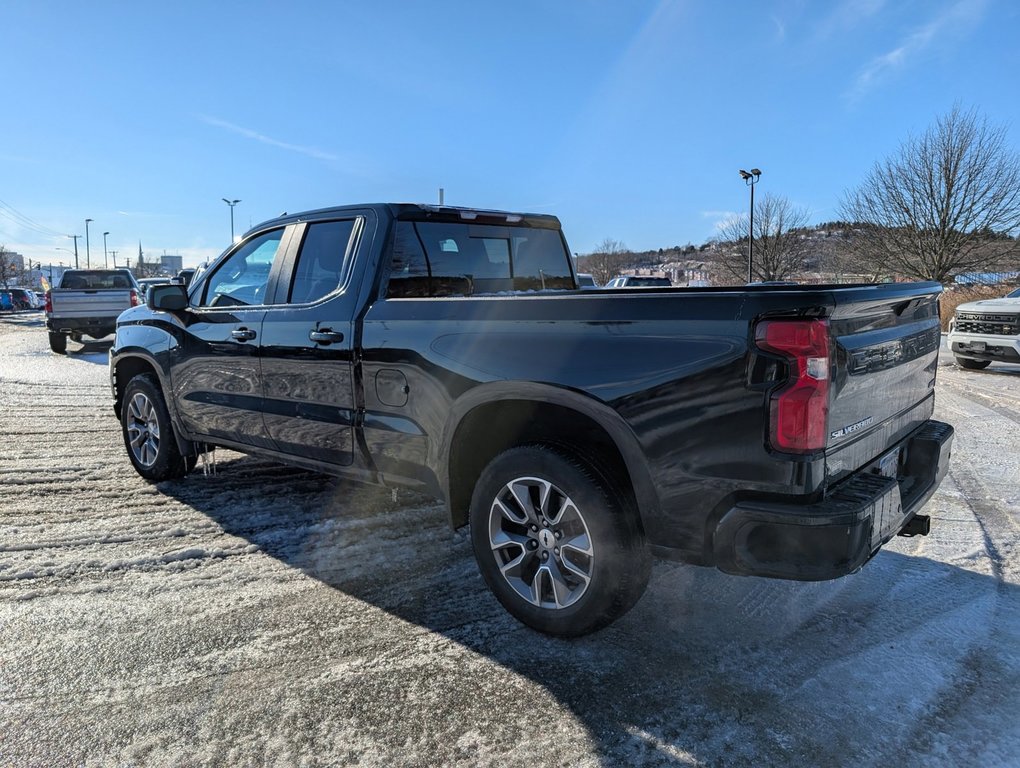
243,334
326,336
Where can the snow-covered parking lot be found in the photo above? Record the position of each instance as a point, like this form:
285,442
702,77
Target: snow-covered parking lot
271,616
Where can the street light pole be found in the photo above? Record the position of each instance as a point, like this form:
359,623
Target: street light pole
75,237
88,258
105,265
231,203
750,178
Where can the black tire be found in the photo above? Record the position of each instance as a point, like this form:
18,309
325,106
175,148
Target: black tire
58,343
155,455
972,365
617,567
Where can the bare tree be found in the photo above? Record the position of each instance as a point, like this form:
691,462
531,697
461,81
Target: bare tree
606,261
843,260
945,202
8,267
778,248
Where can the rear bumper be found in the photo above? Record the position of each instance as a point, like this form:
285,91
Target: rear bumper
93,326
839,534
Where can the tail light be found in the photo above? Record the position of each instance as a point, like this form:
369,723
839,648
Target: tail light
134,298
799,411
49,303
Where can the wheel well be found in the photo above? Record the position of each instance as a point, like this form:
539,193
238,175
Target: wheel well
490,429
127,368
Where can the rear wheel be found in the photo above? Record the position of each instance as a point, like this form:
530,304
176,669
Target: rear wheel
559,546
148,432
58,342
972,365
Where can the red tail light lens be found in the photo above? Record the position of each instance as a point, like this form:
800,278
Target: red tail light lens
134,298
799,411
49,303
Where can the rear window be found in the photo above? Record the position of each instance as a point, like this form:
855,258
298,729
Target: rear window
460,259
97,278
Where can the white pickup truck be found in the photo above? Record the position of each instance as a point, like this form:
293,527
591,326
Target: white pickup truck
987,331
87,303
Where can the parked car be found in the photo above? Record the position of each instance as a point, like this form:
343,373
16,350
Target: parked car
986,331
638,281
577,433
6,302
23,298
86,303
147,282
585,280
185,276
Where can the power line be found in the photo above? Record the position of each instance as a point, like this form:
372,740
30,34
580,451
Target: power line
12,214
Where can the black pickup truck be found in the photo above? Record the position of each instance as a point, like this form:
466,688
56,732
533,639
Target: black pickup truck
779,431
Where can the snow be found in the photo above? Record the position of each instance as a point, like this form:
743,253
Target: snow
268,615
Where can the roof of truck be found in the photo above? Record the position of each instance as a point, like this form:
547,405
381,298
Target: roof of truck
422,212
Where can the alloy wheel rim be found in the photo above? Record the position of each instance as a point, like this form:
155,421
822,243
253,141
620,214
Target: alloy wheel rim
541,543
143,430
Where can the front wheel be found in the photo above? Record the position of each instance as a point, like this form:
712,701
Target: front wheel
972,365
148,432
559,546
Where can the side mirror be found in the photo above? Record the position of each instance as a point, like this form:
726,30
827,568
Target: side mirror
169,298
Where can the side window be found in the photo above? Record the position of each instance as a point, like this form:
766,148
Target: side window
241,280
409,269
453,259
320,263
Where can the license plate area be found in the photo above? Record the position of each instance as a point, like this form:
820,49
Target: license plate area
888,465
977,346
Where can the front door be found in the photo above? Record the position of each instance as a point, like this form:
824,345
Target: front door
215,372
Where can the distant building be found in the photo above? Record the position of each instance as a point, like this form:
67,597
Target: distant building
172,264
15,260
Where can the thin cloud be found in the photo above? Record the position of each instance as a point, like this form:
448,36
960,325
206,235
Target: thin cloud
964,12
780,28
318,154
721,219
846,16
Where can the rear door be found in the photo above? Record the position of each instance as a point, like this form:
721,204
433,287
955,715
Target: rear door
307,345
215,373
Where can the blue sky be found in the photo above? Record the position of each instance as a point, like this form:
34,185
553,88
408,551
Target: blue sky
626,120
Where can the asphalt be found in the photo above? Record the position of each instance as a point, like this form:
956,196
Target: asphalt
269,616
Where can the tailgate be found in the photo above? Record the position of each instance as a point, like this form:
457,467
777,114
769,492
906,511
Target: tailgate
886,355
90,302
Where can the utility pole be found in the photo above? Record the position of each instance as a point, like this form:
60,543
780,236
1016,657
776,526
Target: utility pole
88,257
113,255
75,249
